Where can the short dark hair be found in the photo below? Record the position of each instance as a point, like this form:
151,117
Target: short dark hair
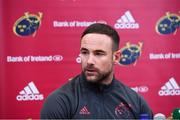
104,29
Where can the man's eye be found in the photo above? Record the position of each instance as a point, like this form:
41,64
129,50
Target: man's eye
99,53
84,52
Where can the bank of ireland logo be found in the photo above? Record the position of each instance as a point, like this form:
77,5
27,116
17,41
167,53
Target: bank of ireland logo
28,24
168,24
130,53
78,59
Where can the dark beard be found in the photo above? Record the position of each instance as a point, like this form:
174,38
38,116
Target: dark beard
100,77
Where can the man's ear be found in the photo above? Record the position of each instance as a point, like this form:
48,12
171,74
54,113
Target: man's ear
116,56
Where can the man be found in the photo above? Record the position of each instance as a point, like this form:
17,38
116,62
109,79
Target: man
95,93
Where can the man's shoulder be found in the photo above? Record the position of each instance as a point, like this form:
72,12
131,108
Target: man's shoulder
60,100
64,93
125,88
68,87
132,97
121,85
129,93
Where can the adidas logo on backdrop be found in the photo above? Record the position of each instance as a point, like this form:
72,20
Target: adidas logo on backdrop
30,92
126,21
171,88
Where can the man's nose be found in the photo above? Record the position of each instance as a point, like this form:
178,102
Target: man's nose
90,59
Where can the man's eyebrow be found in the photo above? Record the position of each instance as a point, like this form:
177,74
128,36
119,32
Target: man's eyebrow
83,49
100,51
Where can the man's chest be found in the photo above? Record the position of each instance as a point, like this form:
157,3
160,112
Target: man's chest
103,105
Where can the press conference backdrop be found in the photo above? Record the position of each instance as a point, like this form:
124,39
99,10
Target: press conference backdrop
40,42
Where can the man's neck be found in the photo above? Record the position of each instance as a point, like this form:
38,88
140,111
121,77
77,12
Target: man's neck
108,80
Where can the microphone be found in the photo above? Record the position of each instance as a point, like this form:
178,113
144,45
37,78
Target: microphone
144,116
176,113
159,116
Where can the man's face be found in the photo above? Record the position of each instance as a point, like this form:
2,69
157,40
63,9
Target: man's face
96,57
